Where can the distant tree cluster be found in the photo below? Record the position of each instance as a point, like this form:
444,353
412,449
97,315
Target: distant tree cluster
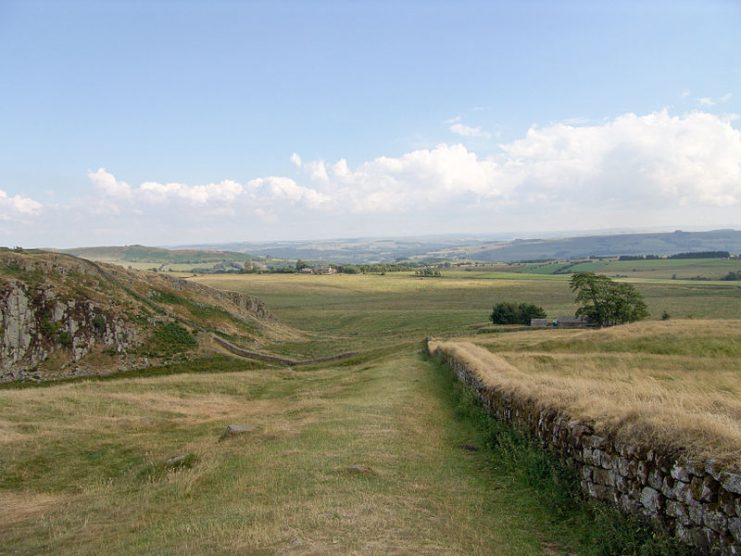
732,276
702,255
428,273
638,257
605,302
515,313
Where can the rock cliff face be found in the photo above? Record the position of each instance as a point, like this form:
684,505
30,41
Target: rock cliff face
35,323
60,315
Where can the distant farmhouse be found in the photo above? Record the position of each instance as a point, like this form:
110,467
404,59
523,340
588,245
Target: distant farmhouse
561,322
318,270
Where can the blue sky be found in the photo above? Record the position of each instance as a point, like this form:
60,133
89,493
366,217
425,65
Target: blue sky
156,122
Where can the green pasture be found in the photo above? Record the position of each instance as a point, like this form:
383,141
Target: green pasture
358,312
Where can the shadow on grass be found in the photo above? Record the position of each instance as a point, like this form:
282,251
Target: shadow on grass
216,364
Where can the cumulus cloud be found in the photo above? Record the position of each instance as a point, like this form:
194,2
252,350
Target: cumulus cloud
459,128
648,161
17,206
630,170
223,193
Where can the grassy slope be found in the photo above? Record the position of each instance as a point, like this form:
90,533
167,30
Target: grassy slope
76,457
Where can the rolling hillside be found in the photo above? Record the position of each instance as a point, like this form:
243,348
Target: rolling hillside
61,315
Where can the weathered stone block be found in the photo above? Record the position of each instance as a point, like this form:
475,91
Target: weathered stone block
602,476
655,479
651,499
680,473
678,511
595,441
734,526
691,536
600,492
628,504
667,487
696,467
642,472
715,520
713,468
586,473
726,502
695,512
626,467
702,489
731,482
621,483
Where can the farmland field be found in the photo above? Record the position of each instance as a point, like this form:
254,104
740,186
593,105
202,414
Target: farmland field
372,311
363,456
677,269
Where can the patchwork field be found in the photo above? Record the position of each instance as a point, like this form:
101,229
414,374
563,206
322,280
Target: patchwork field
365,456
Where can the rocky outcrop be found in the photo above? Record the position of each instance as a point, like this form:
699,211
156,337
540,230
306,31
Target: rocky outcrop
35,323
696,501
63,316
242,302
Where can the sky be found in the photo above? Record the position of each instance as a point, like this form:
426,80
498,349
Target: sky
175,122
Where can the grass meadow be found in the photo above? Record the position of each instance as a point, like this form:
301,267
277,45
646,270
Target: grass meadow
367,456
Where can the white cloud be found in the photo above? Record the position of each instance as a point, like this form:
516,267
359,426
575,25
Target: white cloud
644,162
459,128
109,185
296,160
633,170
17,206
277,189
223,193
710,101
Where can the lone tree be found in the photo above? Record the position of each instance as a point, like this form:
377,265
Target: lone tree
513,313
605,302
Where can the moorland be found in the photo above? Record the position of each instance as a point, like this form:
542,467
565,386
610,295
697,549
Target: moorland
372,454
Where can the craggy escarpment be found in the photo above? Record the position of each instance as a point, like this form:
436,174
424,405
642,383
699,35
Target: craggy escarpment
698,501
63,316
35,322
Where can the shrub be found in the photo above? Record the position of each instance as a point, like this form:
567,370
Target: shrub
514,313
170,338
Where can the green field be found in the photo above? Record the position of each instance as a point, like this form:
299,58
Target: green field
372,311
363,456
678,269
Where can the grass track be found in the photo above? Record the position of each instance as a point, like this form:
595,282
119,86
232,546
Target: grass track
75,462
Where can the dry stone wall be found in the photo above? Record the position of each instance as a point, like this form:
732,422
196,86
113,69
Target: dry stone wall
696,501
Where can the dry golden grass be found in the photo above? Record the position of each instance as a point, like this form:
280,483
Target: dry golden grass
628,380
75,462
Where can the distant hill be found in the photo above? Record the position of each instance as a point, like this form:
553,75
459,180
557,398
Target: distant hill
475,248
61,315
231,256
142,253
605,246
